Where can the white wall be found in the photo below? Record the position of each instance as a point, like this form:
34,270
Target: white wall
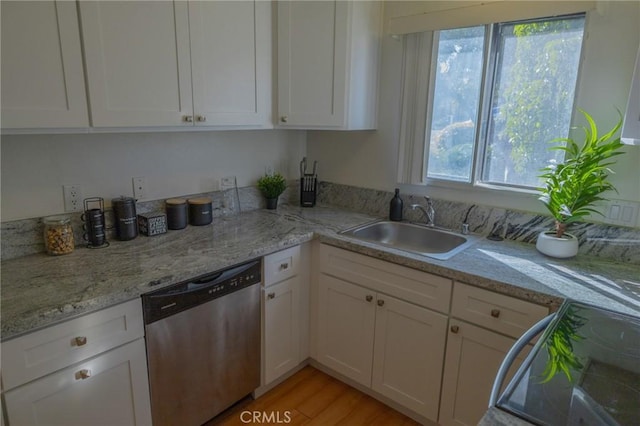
369,159
34,167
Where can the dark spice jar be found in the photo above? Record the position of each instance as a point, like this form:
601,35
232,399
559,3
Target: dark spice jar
125,218
176,209
200,211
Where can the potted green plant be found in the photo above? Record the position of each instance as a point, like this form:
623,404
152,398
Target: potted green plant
271,186
572,187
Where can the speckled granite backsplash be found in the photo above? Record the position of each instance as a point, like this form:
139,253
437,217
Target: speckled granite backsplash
24,237
606,241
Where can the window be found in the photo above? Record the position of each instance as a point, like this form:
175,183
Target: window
499,94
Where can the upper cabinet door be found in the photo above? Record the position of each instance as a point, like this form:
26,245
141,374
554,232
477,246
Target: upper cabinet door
138,63
42,74
231,62
328,59
311,52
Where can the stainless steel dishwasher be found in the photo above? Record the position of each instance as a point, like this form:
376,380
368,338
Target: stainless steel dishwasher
203,344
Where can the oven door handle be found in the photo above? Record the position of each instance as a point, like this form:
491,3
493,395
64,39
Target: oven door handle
513,353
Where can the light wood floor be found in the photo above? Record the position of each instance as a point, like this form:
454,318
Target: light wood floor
313,398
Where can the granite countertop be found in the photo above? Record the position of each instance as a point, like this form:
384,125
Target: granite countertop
40,290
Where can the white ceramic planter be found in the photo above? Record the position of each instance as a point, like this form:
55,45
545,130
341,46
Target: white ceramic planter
564,247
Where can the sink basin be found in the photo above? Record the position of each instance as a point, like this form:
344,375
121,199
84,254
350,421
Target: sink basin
414,238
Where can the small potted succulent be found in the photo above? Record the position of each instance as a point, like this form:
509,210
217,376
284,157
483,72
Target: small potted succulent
271,186
572,187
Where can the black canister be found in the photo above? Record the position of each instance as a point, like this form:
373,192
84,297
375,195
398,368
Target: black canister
200,211
125,218
176,209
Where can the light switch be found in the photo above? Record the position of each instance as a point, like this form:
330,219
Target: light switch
623,212
614,212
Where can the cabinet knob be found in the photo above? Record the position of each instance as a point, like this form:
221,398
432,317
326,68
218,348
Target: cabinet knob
83,374
495,313
201,118
271,295
284,266
380,302
80,340
455,328
284,118
187,118
369,298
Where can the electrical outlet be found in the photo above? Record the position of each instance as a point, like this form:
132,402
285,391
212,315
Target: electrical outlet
72,198
228,182
268,170
139,188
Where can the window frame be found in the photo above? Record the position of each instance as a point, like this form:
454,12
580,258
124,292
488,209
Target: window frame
489,75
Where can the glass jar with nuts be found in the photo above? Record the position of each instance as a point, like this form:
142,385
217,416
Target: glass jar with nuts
58,235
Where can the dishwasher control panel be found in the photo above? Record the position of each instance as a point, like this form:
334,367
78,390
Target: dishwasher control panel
170,300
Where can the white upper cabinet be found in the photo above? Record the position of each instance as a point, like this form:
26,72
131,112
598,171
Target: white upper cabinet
231,62
138,64
328,60
42,74
159,63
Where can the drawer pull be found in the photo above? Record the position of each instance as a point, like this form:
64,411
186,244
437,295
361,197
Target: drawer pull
369,298
284,266
495,313
80,340
271,295
380,302
455,329
83,374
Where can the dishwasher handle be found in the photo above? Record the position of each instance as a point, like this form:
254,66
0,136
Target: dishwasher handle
179,297
513,353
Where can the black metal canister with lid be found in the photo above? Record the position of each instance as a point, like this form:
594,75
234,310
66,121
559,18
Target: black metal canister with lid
177,216
125,218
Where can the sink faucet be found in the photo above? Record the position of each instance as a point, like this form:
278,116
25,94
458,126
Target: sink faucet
429,211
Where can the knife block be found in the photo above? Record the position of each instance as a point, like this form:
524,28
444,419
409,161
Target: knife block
308,190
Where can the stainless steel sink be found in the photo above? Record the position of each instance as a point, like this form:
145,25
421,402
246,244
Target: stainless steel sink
414,238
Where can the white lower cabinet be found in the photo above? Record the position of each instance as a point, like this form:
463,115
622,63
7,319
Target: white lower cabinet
346,321
386,326
286,312
474,354
394,347
281,328
472,361
408,354
91,370
110,389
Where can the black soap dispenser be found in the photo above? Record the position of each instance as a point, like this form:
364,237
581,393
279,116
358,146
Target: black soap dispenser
395,207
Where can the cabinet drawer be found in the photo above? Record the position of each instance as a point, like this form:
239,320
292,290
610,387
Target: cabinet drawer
421,288
281,265
495,311
42,352
109,389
